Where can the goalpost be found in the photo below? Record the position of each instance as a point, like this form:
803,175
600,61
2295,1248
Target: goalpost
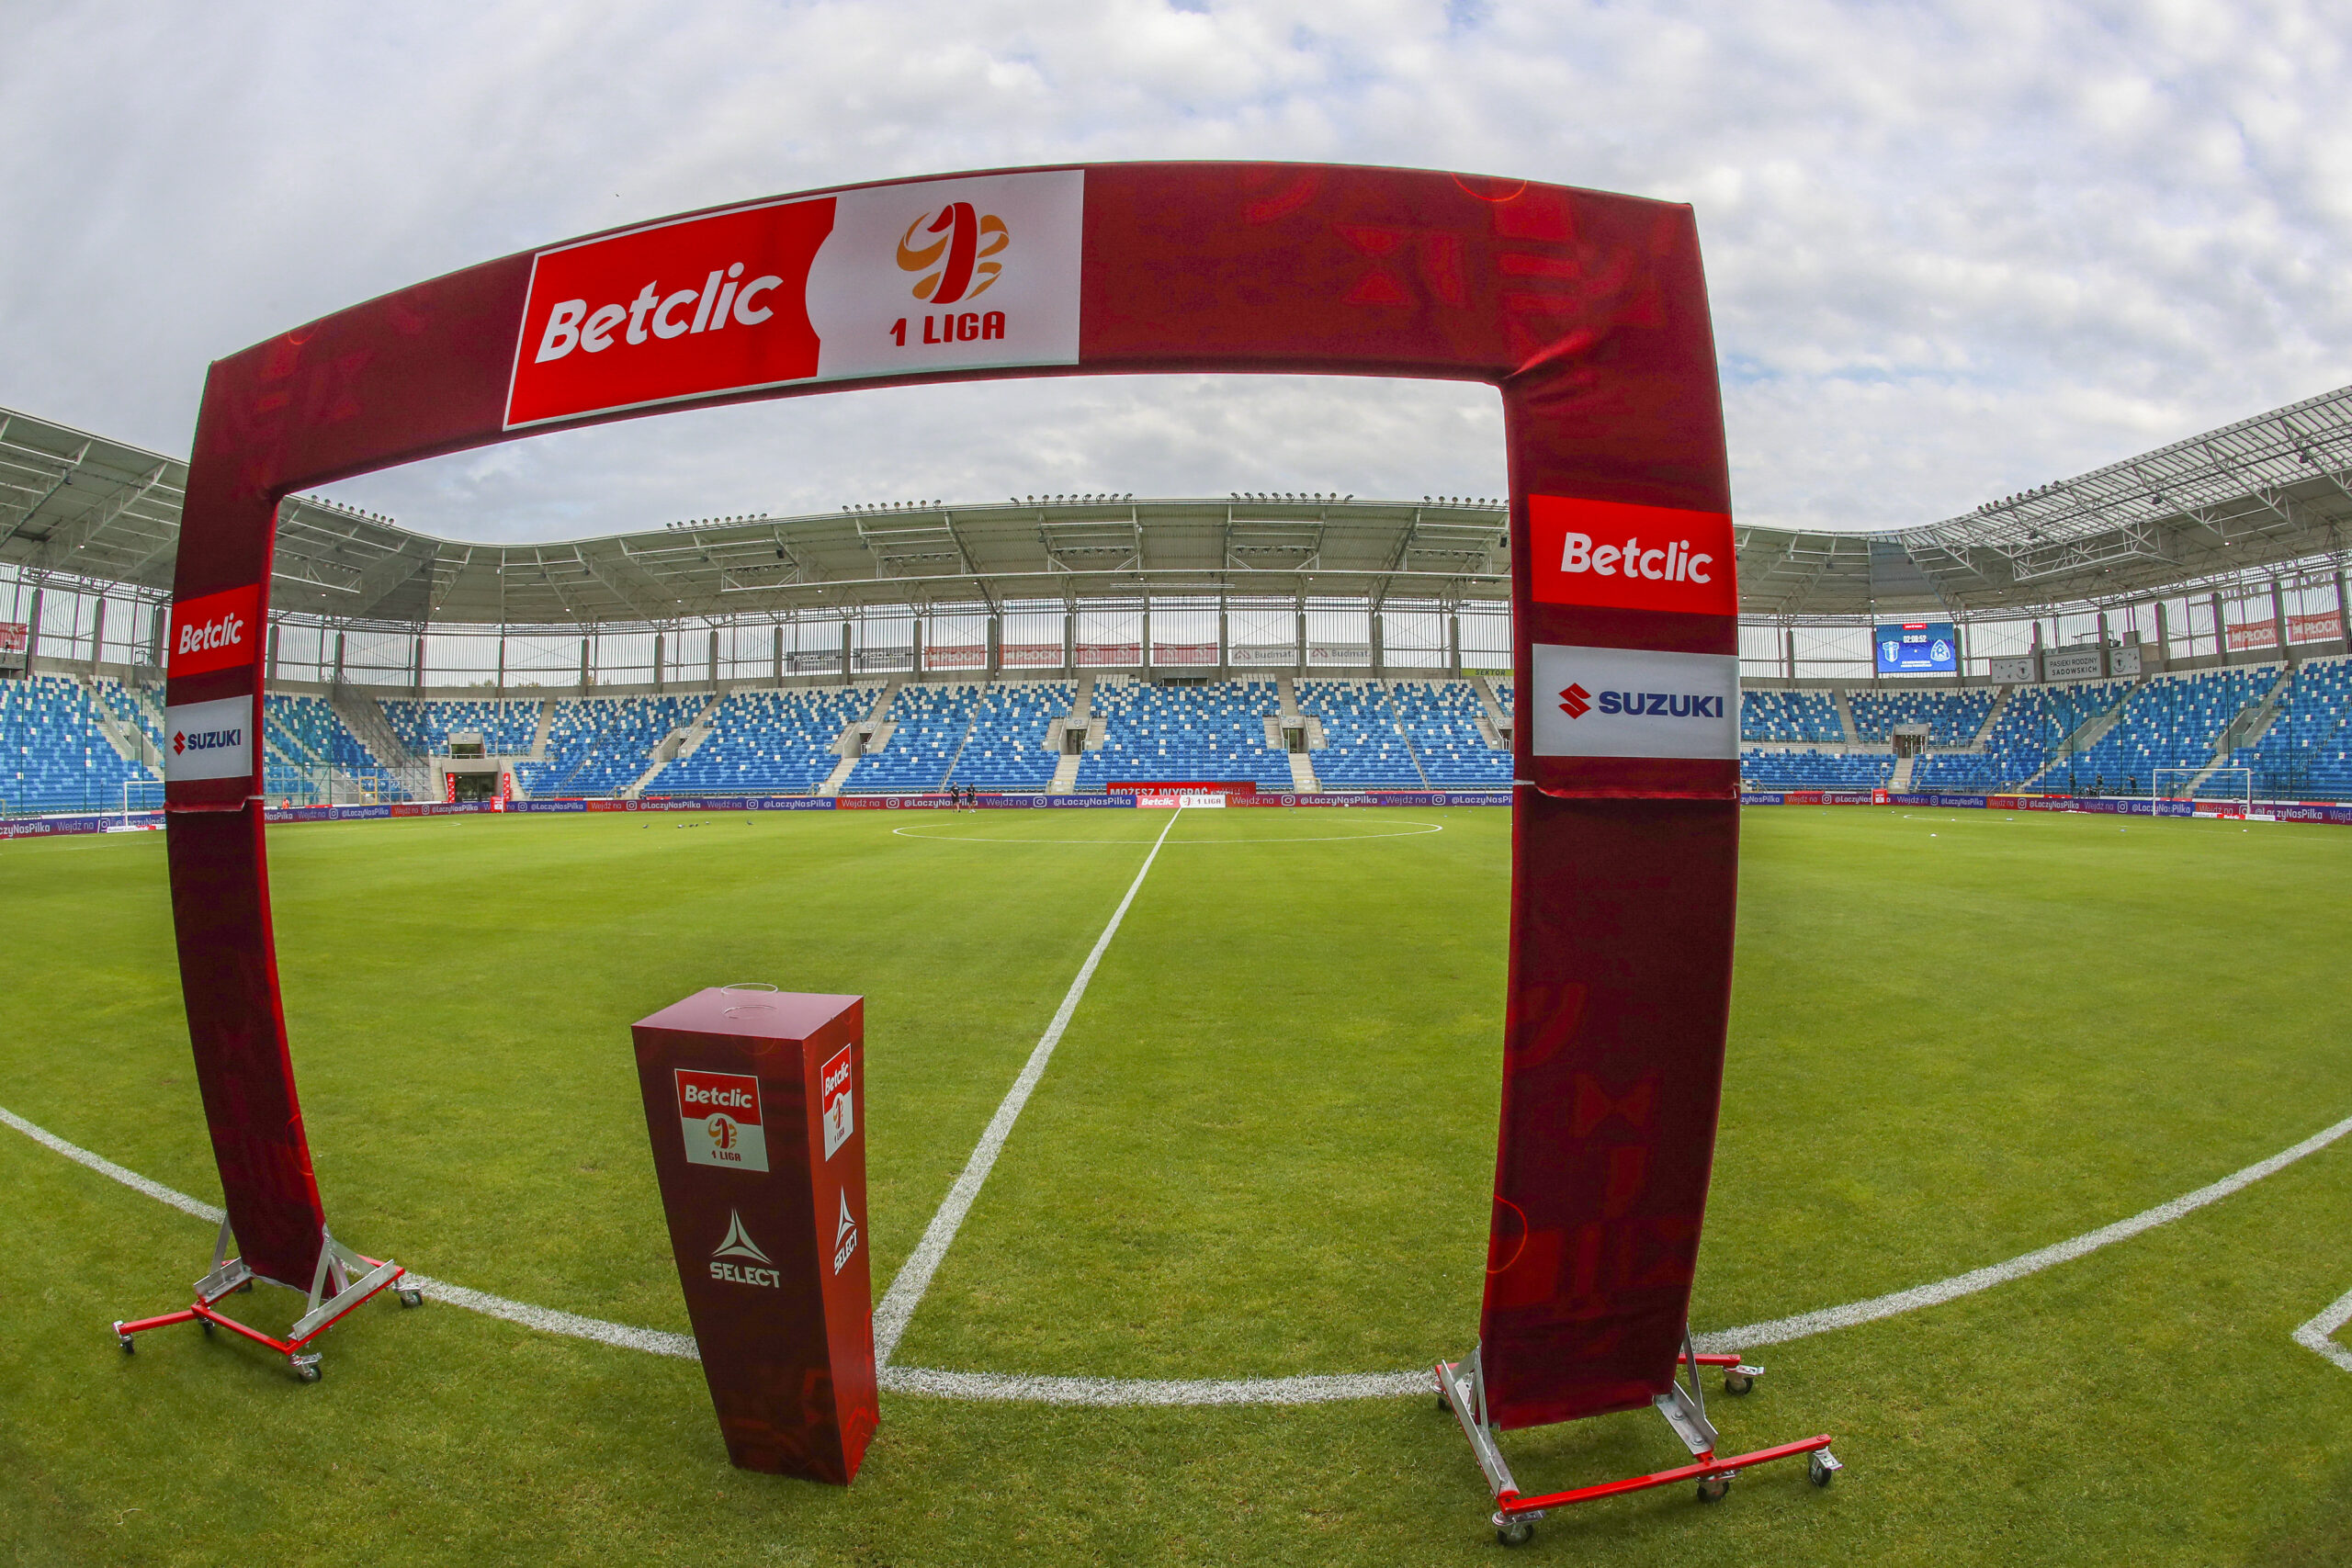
2227,792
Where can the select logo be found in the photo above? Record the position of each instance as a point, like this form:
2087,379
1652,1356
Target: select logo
209,741
730,1259
844,1235
216,632
718,1120
1612,555
1627,702
884,280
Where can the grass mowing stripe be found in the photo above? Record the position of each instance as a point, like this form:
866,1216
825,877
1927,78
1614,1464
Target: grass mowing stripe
2315,1335
898,1308
1807,1324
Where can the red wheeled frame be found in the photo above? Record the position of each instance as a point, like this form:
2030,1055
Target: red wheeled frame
342,1280
1462,1389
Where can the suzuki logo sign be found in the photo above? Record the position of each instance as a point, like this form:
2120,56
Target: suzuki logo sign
1625,701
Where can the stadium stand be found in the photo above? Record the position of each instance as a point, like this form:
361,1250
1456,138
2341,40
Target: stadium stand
2291,728
1954,716
1790,716
1363,741
505,726
1189,732
1440,720
766,743
54,756
2306,752
932,722
308,755
1815,769
599,746
1006,749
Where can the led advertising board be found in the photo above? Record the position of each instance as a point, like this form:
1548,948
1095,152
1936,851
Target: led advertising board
1918,648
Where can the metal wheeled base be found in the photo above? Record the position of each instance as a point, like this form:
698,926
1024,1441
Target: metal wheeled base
1462,1388
342,1279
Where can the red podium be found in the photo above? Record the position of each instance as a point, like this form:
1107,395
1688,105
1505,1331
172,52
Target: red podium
754,1099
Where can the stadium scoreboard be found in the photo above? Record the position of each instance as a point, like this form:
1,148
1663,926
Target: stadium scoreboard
1917,647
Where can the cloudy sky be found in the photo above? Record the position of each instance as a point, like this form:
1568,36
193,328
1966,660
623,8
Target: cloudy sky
1953,250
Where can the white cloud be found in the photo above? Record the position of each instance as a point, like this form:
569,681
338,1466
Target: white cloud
1953,252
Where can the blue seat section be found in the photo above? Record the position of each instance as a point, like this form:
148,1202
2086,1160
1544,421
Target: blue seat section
1006,749
305,743
1187,733
1440,719
53,755
599,746
1508,698
766,743
2168,721
129,710
1776,715
2306,754
1954,716
931,723
1363,742
507,727
1812,769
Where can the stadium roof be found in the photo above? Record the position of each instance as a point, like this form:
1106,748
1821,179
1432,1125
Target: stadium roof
2235,504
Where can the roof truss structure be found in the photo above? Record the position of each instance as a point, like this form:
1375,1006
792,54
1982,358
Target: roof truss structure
2227,507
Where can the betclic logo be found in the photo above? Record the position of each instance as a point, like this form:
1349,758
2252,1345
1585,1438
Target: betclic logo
219,631
1614,555
810,288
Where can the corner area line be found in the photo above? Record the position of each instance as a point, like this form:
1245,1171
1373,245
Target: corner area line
2318,1334
906,1293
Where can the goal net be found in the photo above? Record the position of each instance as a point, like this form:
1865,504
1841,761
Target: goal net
2229,791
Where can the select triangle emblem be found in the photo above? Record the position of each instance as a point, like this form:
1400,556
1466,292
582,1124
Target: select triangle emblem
737,1243
844,1235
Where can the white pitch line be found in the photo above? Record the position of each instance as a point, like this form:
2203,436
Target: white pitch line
1318,1389
2318,1334
107,1167
1805,1324
898,1308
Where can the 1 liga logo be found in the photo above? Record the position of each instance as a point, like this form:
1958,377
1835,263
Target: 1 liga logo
718,1120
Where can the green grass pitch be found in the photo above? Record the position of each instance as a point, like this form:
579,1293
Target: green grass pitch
1262,1149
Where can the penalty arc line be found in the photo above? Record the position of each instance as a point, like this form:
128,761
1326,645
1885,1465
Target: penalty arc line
906,1293
1316,1388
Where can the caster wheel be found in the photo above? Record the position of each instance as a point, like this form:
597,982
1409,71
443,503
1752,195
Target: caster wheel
1823,1469
205,1323
1442,1405
1737,1383
1714,1489
128,1347
245,1288
308,1374
1514,1532
411,1298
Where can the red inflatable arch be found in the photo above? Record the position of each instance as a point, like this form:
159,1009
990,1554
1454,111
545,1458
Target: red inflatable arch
1587,310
